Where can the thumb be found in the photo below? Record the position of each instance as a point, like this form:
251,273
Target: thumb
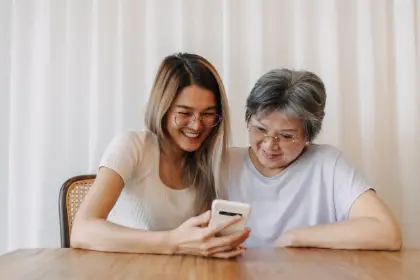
200,220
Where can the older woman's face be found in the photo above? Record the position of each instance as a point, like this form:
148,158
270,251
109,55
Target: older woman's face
276,141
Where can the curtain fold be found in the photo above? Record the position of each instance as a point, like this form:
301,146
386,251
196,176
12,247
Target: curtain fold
73,73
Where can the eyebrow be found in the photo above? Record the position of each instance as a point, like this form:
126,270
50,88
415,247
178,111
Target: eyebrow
191,108
281,131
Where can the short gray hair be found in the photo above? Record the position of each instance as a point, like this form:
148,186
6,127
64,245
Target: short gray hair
297,94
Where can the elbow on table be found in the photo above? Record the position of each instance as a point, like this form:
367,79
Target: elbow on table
79,238
78,243
394,241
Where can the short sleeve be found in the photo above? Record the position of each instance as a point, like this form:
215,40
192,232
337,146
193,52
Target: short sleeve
348,186
123,154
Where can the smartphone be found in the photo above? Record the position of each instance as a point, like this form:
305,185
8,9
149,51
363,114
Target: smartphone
225,210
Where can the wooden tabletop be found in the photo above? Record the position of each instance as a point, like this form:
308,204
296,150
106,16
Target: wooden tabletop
254,264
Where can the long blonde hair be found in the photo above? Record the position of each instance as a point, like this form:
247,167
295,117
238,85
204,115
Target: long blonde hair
206,168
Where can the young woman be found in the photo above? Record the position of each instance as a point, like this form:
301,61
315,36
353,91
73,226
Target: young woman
302,194
151,185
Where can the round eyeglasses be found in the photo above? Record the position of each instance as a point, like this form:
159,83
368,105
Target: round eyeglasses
283,139
207,119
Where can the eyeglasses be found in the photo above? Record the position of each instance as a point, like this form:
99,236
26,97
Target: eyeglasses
207,119
282,139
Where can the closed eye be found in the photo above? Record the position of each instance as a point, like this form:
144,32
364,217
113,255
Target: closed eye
260,129
287,136
185,113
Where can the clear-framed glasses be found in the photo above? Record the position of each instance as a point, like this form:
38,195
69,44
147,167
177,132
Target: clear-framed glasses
283,139
207,119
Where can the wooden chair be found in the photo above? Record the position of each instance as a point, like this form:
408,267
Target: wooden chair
72,193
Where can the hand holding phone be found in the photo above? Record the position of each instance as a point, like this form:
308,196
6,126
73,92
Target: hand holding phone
225,210
196,237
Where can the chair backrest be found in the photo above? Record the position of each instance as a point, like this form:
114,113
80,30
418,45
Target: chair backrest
72,193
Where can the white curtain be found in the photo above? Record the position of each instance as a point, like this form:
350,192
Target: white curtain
73,73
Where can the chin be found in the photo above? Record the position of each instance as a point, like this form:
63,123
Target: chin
189,147
271,164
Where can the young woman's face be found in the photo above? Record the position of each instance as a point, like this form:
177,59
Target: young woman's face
276,141
192,117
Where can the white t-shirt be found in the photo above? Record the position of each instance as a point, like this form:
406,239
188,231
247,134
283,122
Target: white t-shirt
318,188
145,202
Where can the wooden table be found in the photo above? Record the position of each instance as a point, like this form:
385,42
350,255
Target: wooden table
261,264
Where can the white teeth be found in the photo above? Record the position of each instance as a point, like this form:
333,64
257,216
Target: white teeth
191,135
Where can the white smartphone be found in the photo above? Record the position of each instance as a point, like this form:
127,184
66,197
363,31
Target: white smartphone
225,210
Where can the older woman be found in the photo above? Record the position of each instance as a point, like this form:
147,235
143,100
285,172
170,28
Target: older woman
302,194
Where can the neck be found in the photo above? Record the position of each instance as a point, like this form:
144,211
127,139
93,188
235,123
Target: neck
172,154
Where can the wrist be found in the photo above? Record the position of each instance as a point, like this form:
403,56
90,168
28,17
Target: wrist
169,242
289,239
294,238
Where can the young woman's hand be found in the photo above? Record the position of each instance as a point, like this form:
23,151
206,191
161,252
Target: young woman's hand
195,238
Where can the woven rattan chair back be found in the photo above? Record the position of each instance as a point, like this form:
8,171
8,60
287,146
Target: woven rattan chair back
72,193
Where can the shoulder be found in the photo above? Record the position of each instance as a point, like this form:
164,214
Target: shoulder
319,157
237,151
237,155
133,145
127,150
135,139
329,157
323,152
133,136
237,158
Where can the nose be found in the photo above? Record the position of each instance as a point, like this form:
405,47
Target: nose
272,144
196,124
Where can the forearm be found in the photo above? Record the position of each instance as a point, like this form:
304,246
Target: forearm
102,235
360,233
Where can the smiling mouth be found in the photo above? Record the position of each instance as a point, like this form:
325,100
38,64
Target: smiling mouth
191,135
269,155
